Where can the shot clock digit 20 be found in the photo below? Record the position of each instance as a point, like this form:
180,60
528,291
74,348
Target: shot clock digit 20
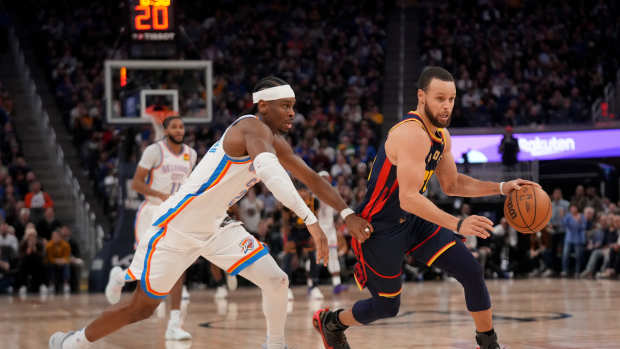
152,20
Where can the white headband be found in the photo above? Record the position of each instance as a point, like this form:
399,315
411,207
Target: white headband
273,93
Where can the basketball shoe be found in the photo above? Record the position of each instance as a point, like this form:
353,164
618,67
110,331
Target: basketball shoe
487,341
330,328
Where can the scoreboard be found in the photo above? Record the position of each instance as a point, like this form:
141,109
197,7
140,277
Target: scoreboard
153,31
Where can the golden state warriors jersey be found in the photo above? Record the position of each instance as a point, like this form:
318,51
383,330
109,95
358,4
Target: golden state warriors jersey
381,203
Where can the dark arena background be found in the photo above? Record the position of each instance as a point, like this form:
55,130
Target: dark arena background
83,85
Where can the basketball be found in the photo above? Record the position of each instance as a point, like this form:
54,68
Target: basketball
528,210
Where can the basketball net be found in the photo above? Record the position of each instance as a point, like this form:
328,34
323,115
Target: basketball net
160,114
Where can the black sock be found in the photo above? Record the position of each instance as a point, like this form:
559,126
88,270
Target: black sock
488,333
333,322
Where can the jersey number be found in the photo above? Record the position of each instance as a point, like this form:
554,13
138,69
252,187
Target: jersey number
427,176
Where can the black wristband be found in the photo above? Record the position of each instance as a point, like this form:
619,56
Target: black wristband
458,225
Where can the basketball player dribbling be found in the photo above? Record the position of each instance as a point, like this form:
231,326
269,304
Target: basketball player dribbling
406,222
193,221
163,167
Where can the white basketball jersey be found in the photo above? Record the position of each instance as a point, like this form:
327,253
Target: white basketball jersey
217,182
167,170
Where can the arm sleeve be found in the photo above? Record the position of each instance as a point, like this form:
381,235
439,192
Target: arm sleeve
269,170
151,157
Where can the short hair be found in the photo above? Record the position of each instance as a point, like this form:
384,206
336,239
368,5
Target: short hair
169,119
270,81
433,72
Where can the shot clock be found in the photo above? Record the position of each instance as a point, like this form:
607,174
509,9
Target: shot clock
152,28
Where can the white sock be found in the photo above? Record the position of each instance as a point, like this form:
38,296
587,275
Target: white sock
77,341
336,280
273,282
175,317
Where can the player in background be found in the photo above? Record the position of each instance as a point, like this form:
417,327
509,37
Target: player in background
193,222
164,166
407,222
298,243
326,216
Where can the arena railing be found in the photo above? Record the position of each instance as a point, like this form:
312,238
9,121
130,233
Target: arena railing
89,233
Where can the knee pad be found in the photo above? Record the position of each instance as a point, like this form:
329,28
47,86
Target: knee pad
376,308
387,306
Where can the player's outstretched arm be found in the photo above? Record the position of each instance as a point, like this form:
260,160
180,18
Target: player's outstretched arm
457,184
358,227
407,147
259,145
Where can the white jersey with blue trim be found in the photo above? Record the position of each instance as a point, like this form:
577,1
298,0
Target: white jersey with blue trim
167,170
217,182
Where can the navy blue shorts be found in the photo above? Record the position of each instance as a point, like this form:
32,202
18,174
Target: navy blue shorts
380,258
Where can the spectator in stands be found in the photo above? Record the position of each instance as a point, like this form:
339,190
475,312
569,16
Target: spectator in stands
614,251
575,239
593,199
37,201
509,148
23,219
48,224
559,208
7,237
507,76
76,261
58,257
605,237
540,243
31,273
579,199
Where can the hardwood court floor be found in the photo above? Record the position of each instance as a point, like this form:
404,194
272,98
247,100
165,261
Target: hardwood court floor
536,313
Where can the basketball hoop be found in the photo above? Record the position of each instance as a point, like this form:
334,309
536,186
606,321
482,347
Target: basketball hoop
160,115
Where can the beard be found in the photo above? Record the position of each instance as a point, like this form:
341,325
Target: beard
434,119
173,140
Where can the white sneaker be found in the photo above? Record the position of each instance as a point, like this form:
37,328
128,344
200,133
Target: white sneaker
221,292
315,293
290,295
22,291
43,290
231,282
174,332
113,289
66,289
58,338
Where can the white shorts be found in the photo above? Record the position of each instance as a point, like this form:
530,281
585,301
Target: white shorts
164,254
144,219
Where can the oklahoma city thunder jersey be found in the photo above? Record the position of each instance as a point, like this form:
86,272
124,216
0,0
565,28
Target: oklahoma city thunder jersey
217,182
171,171
381,205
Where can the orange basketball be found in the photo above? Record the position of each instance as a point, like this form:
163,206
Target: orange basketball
528,210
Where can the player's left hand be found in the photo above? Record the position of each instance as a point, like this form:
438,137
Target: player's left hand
358,227
320,242
516,184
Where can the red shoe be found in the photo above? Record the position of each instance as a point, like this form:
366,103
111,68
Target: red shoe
331,339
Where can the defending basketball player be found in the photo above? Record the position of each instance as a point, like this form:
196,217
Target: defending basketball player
163,167
193,221
406,222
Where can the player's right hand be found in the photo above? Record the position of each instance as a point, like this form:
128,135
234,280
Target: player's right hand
477,226
163,196
320,242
